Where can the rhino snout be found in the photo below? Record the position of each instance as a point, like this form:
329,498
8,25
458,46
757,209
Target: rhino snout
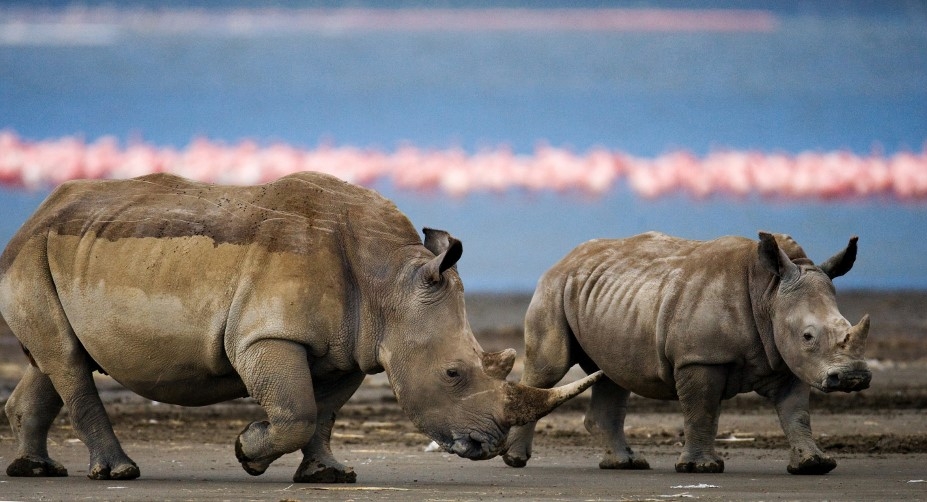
847,380
475,447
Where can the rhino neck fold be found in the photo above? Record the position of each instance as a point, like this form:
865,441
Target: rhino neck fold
368,339
376,267
763,287
384,285
369,321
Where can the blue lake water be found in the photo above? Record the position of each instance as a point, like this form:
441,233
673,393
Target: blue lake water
827,77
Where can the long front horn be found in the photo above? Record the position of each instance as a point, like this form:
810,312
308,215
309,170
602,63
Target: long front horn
524,404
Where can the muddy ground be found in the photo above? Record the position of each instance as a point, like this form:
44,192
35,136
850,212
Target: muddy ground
879,437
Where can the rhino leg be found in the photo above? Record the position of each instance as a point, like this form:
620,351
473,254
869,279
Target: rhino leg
276,373
43,326
792,407
518,445
31,410
700,388
319,464
547,360
605,421
92,425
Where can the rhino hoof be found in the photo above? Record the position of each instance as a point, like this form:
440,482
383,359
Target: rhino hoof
325,474
631,463
514,461
31,468
814,464
104,472
714,466
129,471
251,469
248,464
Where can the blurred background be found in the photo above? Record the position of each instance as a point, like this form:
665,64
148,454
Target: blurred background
636,80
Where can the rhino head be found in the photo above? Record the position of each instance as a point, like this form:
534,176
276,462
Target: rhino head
818,344
448,386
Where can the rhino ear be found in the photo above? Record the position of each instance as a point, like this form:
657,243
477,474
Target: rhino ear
450,251
774,259
842,262
436,241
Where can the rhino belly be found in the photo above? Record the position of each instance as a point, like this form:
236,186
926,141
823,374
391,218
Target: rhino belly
163,366
638,380
152,312
629,355
156,346
166,367
197,391
634,366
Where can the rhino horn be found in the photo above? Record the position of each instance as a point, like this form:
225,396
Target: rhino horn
524,404
857,336
498,364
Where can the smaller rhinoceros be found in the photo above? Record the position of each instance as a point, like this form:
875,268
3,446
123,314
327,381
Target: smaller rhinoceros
289,292
698,322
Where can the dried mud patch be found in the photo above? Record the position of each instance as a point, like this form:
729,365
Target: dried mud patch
848,443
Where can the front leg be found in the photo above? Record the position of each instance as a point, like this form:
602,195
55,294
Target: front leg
700,388
791,403
319,464
276,374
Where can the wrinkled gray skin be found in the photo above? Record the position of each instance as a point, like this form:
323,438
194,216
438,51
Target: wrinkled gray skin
288,292
698,322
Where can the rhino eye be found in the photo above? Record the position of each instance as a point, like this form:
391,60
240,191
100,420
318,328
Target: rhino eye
808,336
452,373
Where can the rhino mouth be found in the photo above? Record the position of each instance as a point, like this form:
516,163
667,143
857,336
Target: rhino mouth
846,381
474,446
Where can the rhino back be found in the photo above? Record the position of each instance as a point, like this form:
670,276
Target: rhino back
284,215
643,306
160,275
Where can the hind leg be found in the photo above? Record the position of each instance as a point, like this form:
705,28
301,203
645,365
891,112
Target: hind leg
605,421
31,410
33,310
517,449
92,425
547,360
43,328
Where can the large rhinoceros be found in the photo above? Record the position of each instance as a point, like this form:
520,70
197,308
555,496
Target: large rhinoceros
698,322
288,292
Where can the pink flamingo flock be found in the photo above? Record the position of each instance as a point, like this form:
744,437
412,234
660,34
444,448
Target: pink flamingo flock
834,175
